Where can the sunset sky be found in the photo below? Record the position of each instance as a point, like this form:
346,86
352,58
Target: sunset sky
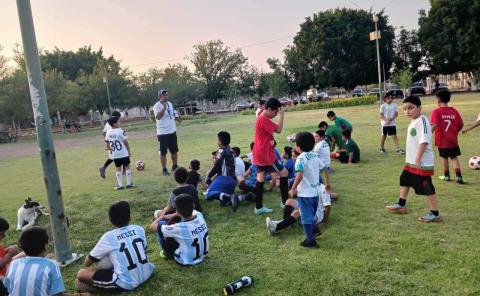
148,33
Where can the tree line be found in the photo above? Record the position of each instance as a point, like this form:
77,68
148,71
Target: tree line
331,49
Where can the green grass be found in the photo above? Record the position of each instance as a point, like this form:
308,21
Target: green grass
364,250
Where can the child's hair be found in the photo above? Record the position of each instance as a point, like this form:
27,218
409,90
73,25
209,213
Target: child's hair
261,102
443,95
116,113
320,133
305,141
33,241
388,94
347,134
251,145
184,205
273,103
119,214
413,100
323,124
236,151
195,165
112,120
224,137
330,114
180,175
4,226
288,151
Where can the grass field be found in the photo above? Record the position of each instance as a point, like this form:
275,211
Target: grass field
363,251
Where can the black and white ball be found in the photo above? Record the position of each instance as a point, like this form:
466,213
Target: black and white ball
140,165
474,163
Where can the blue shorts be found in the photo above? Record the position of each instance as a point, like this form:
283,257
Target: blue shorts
308,209
221,184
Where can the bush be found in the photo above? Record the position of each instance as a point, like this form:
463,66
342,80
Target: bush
191,117
248,112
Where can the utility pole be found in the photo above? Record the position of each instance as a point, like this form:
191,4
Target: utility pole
377,36
105,80
43,124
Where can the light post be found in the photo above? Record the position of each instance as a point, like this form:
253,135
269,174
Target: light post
105,80
377,36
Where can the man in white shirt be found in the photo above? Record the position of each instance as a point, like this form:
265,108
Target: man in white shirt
165,117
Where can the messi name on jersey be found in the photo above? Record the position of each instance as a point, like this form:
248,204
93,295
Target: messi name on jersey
126,234
199,230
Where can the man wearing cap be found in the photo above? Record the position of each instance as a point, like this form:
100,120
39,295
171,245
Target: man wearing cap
165,116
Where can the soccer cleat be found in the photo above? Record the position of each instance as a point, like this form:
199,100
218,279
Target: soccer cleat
396,208
263,210
162,255
165,172
382,150
444,178
118,188
429,218
282,206
400,151
102,172
461,181
307,244
130,186
271,226
234,202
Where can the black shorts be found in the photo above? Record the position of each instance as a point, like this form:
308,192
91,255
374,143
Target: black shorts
277,166
122,161
343,157
449,152
168,141
389,130
421,184
103,279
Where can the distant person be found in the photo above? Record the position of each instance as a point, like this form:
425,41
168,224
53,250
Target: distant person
340,122
165,117
333,134
109,160
388,115
472,126
261,105
194,177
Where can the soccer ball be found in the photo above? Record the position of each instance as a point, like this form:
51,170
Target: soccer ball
140,165
474,163
291,138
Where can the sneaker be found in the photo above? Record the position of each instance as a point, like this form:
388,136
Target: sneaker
102,172
316,231
234,202
460,181
444,178
118,188
429,218
382,150
263,210
271,226
307,244
130,186
162,255
282,205
400,151
396,208
174,167
165,172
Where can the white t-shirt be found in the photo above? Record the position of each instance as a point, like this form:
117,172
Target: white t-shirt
125,248
106,128
419,132
192,237
388,111
116,138
310,165
166,125
239,167
323,150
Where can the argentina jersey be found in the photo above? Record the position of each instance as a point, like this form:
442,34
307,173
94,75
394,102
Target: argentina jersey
192,237
126,249
34,276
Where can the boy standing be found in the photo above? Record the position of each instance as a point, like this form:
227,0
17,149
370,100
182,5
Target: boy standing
263,153
109,160
340,122
118,146
125,246
388,114
418,170
447,123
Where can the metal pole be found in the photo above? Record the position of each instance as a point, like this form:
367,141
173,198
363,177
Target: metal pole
378,65
108,90
43,124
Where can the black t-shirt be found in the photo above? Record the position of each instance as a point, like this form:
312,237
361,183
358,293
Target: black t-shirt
193,178
187,189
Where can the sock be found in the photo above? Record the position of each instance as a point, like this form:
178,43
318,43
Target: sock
223,196
402,201
119,178
284,188
308,229
446,173
458,173
259,195
285,223
129,176
436,213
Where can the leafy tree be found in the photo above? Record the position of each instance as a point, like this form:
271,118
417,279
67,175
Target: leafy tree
181,83
15,100
403,78
216,65
3,64
248,81
409,54
148,84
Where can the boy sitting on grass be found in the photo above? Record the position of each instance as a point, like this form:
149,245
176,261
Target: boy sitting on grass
351,153
194,177
34,274
125,247
187,241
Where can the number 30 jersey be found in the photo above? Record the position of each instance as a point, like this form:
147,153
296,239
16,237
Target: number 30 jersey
116,138
192,237
125,248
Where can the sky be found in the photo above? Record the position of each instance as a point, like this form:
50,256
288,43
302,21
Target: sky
152,33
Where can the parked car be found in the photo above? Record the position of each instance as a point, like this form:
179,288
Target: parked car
286,101
417,89
358,92
303,99
395,91
374,92
441,86
322,96
243,105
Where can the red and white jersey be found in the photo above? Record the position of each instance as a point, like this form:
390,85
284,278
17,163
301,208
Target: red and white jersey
449,123
419,132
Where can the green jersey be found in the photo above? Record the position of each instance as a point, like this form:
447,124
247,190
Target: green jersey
353,147
333,132
343,124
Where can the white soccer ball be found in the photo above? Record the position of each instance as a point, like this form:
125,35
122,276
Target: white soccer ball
291,138
474,163
140,165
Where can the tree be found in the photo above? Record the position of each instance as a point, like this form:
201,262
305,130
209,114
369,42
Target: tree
333,49
216,65
181,84
15,99
404,79
409,54
450,33
248,81
3,65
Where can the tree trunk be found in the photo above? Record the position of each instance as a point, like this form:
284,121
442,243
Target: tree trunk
60,121
473,79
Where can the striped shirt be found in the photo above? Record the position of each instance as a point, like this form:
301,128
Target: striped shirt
34,276
419,132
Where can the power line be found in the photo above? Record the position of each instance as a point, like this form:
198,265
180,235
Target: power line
266,42
355,4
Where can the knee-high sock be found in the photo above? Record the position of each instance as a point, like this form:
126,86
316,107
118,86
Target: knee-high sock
308,229
107,163
287,221
129,177
259,195
284,188
119,178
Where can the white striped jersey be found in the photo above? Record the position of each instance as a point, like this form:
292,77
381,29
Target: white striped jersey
192,237
125,248
34,276
116,138
419,132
